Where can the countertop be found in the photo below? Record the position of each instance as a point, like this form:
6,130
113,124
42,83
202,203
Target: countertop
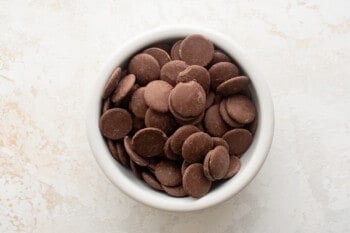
51,53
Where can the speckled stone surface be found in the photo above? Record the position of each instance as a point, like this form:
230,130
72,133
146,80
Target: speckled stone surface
51,53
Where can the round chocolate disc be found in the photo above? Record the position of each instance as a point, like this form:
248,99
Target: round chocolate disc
190,121
196,50
188,99
194,181
206,169
195,73
224,115
179,137
115,123
238,140
171,70
233,85
219,56
175,50
157,95
168,173
123,89
177,191
138,104
222,71
241,109
159,54
168,151
218,162
151,180
132,154
162,121
149,142
145,68
234,167
196,146
112,82
220,142
214,123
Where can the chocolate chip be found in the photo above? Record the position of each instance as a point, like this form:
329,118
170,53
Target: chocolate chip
151,181
177,191
216,163
149,142
196,50
175,50
145,68
222,71
241,109
196,146
162,121
238,140
112,82
224,115
123,89
234,167
179,137
169,152
233,85
195,73
219,142
138,104
194,181
157,95
214,123
115,123
168,173
171,70
219,56
132,154
159,54
188,99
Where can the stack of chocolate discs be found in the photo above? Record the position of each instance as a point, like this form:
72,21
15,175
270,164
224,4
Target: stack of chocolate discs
180,116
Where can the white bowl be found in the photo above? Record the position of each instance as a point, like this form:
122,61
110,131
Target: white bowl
251,161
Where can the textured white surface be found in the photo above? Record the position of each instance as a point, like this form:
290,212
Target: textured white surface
52,51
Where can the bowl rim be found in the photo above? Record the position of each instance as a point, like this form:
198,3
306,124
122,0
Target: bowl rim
133,189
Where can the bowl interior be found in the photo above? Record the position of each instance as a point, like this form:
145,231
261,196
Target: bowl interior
251,161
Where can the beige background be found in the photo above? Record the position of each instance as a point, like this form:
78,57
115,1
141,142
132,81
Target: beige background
52,51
